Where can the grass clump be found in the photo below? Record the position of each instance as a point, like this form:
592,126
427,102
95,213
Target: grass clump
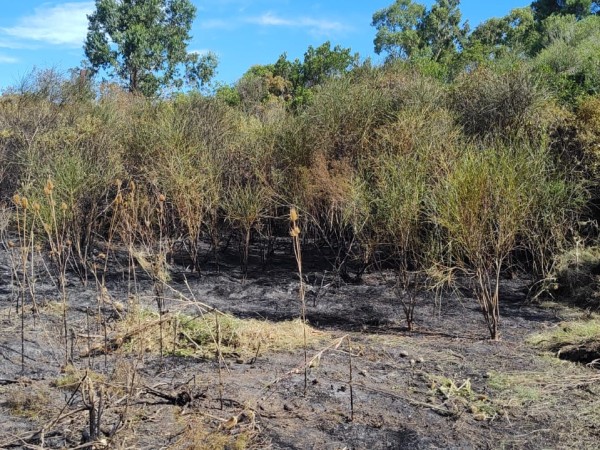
185,335
568,333
26,402
200,434
460,397
244,337
514,389
576,275
72,376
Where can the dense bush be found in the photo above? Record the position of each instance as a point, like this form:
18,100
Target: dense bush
384,164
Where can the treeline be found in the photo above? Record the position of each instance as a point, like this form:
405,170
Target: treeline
443,167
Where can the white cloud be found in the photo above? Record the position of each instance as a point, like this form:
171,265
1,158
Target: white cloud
59,24
314,25
14,44
7,59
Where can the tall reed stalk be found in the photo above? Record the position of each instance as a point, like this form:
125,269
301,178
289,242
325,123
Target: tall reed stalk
295,234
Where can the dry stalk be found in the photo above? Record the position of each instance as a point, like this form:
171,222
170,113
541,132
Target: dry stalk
295,234
219,358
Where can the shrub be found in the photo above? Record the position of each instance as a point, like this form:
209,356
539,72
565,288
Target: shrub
482,207
497,103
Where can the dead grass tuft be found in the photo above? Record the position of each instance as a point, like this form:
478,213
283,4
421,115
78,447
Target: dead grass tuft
27,401
200,434
72,376
197,336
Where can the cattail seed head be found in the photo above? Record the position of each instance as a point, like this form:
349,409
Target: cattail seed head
36,207
293,214
17,199
24,202
63,206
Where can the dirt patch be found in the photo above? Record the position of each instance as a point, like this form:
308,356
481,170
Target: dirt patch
444,385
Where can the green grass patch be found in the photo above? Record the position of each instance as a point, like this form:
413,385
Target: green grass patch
567,333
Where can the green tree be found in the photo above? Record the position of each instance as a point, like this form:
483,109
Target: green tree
144,44
408,30
293,80
397,27
515,33
441,29
325,62
579,8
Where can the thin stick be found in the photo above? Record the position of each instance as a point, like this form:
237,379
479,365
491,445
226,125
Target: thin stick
295,233
350,382
219,359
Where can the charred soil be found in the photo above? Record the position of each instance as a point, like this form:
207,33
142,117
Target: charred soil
371,384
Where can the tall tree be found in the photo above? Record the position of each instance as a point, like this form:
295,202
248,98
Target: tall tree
407,30
398,29
579,8
144,44
442,31
515,33
325,62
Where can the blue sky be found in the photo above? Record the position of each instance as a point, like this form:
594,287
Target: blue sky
47,34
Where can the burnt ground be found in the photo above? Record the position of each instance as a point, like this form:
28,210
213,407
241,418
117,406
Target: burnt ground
444,385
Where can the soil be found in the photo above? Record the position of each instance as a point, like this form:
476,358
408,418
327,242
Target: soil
443,385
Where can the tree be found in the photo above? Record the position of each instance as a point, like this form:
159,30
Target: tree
398,29
144,44
293,80
408,30
515,33
441,30
579,8
324,62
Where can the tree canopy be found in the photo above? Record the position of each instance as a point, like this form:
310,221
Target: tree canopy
293,80
407,29
144,43
579,8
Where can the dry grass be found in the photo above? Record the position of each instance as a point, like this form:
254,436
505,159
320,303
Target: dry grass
72,376
32,402
459,396
197,336
200,434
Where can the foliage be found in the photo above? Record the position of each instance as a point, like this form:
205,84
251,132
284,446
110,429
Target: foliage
569,59
486,203
515,33
500,102
408,30
292,81
413,165
588,132
579,8
144,44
